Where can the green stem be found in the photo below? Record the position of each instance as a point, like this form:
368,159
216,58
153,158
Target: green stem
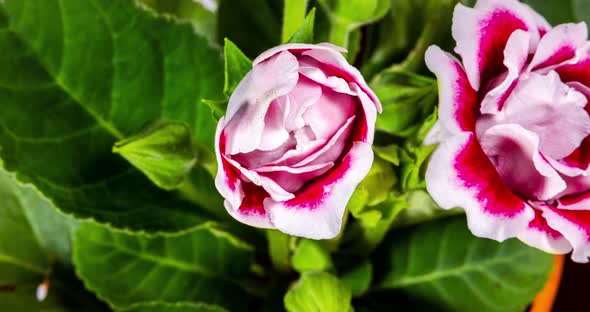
293,17
339,31
278,248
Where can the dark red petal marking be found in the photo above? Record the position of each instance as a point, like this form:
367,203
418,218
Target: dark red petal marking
574,199
254,196
579,72
581,218
563,54
313,194
539,223
495,33
477,173
580,158
230,172
466,107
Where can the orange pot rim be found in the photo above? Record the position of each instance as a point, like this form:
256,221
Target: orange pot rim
545,299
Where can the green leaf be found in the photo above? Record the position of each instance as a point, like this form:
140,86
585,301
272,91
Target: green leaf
442,263
33,236
407,100
66,106
203,18
414,161
51,230
163,151
173,307
318,291
390,153
359,278
312,255
293,16
421,208
305,33
237,65
347,16
254,25
198,265
372,191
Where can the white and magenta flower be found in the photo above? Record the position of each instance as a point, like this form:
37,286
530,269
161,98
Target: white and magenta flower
296,140
513,127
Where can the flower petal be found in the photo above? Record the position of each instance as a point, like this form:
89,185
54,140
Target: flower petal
515,153
457,100
459,174
293,178
329,113
338,64
271,187
559,45
365,128
251,210
575,202
250,101
540,235
332,149
577,72
574,225
316,212
516,55
481,32
227,180
305,94
543,104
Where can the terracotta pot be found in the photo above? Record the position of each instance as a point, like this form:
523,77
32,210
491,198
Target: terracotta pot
545,299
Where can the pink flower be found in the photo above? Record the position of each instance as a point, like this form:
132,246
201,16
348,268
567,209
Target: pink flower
513,127
296,140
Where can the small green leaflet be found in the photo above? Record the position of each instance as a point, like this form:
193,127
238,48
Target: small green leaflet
163,151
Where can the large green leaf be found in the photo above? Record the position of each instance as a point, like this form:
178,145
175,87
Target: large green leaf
33,238
173,307
442,263
78,75
203,18
197,266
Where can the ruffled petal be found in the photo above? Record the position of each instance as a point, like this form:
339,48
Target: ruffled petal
574,225
540,235
457,109
316,212
515,57
481,32
251,210
575,202
559,46
577,72
551,109
515,154
250,101
459,174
